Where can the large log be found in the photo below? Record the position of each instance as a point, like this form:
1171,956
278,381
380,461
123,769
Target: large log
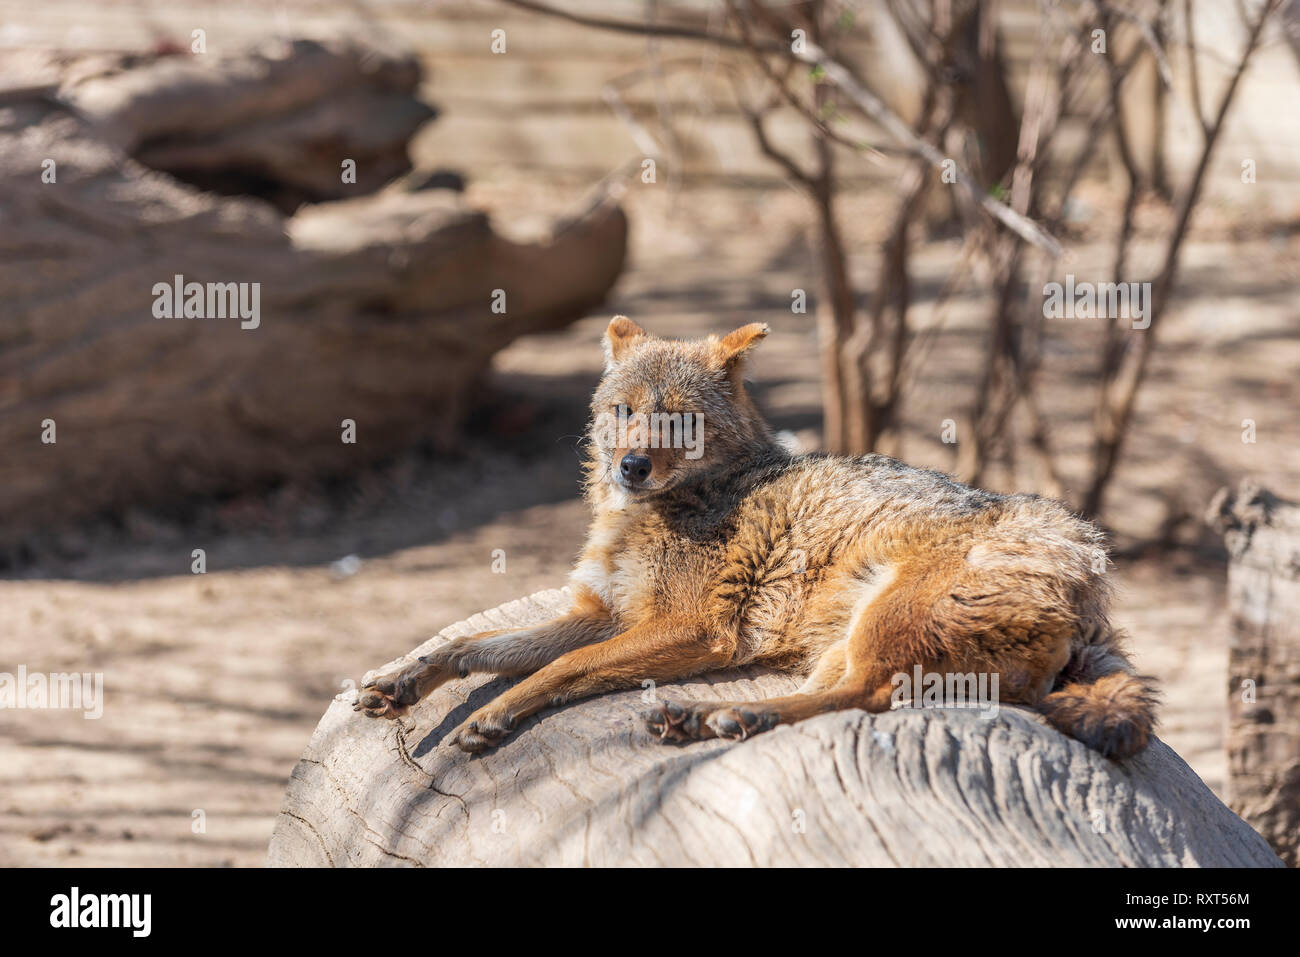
378,308
279,118
1262,533
586,785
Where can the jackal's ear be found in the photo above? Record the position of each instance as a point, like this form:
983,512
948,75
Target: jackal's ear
735,344
621,335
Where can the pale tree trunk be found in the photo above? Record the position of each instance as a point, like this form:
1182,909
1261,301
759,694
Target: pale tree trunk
1263,538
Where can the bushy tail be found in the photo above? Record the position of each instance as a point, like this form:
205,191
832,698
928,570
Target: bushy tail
1100,702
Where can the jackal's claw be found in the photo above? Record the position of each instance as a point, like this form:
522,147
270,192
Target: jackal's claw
382,698
739,722
481,733
670,721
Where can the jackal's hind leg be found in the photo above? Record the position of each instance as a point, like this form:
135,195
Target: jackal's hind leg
699,720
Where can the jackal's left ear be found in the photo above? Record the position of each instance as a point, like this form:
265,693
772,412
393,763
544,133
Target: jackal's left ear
621,335
735,344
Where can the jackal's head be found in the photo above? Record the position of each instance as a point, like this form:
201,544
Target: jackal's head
666,411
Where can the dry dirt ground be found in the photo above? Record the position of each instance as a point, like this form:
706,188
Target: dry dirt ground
214,682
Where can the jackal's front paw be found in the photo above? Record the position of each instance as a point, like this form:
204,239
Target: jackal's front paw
483,730
391,696
674,721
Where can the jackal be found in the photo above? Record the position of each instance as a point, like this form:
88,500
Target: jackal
849,571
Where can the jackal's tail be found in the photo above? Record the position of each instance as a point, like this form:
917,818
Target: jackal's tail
1099,701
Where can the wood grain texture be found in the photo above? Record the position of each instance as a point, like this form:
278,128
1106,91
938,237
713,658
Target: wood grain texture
1262,534
586,785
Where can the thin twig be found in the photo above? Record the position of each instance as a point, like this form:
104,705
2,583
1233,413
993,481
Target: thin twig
1119,404
756,117
1195,78
667,31
843,78
782,84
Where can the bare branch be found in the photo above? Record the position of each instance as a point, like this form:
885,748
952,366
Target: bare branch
667,31
782,85
866,101
1121,399
1149,35
1194,68
756,117
893,124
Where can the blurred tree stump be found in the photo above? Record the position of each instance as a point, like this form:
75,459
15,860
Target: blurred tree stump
377,308
1262,534
587,785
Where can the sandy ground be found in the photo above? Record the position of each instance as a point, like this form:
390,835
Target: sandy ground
214,682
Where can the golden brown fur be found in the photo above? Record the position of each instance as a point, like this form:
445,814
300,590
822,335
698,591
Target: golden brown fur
850,571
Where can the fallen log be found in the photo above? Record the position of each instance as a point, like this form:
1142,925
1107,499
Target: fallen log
1262,533
382,310
586,785
275,121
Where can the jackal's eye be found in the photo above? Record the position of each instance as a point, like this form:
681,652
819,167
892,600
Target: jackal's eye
622,411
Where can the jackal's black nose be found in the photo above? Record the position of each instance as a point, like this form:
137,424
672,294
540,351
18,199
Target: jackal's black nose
635,468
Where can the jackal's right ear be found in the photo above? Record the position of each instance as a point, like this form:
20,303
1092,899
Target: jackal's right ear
621,335
736,343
